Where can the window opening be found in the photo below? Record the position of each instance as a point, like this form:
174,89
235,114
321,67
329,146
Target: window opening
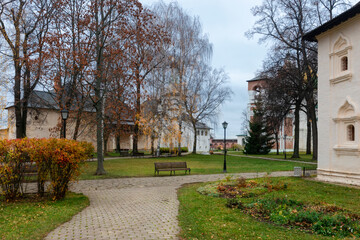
344,64
351,133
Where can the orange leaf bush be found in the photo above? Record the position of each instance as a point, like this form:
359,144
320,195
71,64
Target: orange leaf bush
59,159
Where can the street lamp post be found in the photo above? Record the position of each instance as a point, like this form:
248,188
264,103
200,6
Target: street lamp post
64,116
224,124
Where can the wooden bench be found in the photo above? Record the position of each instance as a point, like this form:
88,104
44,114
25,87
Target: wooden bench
171,166
30,169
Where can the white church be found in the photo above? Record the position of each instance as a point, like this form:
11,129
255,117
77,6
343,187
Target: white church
339,97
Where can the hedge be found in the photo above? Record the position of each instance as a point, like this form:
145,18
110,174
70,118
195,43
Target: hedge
174,150
57,160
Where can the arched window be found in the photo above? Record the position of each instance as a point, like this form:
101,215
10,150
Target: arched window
257,90
344,64
351,133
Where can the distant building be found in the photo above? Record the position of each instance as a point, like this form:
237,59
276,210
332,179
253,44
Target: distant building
241,139
287,129
217,144
338,96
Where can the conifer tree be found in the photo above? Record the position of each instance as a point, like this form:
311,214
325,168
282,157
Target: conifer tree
259,139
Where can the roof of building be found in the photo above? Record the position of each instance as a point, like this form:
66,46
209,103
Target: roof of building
241,135
352,12
222,140
48,100
257,78
201,125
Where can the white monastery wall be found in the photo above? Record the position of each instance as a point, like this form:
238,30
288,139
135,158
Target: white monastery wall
339,103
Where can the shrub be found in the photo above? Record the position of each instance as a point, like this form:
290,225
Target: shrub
238,147
234,203
65,161
172,151
13,159
59,158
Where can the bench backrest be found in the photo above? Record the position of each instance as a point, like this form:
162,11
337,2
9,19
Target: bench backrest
168,165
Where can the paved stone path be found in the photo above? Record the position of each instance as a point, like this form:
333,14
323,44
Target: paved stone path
271,159
132,208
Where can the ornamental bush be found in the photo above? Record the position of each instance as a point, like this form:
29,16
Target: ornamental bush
57,160
173,151
14,155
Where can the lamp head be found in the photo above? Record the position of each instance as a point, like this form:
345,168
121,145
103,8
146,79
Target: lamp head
64,114
224,124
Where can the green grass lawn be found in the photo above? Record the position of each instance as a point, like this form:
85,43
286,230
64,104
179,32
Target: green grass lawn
205,217
199,164
31,219
303,157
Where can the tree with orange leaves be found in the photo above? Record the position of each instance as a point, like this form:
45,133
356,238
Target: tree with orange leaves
145,54
24,25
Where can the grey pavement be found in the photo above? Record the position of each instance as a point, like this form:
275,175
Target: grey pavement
133,208
272,159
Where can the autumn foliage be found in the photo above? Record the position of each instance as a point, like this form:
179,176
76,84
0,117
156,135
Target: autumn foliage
57,161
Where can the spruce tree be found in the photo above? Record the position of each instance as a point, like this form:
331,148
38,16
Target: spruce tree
259,139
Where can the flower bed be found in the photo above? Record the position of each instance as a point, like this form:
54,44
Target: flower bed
257,198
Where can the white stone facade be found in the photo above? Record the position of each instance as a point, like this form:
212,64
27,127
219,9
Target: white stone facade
339,102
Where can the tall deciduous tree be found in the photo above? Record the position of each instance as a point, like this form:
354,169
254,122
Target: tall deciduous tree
190,47
203,96
146,52
285,22
70,50
24,25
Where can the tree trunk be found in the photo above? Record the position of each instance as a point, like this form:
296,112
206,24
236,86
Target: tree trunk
152,144
106,139
195,140
277,142
100,138
137,116
77,124
314,132
118,149
179,138
297,135
17,100
308,136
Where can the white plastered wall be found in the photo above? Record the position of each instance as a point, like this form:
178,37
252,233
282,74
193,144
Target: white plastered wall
339,102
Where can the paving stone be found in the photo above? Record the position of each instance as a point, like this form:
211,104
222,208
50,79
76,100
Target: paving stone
132,208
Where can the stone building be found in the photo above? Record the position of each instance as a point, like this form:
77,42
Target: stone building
339,98
287,128
44,121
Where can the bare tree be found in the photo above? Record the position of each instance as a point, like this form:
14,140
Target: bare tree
327,9
4,81
285,22
203,96
108,30
189,47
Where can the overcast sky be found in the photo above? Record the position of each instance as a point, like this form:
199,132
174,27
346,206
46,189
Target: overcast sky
226,21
